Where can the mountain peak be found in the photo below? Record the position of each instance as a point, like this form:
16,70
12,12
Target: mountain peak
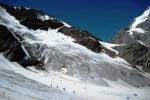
138,30
138,20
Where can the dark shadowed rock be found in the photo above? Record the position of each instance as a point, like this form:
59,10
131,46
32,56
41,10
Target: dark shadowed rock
31,18
12,49
136,54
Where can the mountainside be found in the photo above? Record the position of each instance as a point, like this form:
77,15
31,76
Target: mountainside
137,40
51,52
136,54
139,30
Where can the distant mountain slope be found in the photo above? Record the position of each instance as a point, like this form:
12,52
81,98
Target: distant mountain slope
136,54
137,42
139,30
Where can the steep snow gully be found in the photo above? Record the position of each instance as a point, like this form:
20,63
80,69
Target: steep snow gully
68,69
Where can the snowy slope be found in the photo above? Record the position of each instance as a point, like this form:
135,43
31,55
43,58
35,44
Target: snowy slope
15,86
58,51
138,20
72,68
110,46
61,87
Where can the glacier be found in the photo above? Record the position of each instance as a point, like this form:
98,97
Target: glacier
71,71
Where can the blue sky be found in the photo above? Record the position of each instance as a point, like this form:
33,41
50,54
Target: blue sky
103,18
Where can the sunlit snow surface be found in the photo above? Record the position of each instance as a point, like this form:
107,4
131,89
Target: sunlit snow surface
138,20
110,83
61,87
110,46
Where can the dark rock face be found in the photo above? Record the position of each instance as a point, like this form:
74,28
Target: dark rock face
10,45
136,54
29,18
82,37
12,49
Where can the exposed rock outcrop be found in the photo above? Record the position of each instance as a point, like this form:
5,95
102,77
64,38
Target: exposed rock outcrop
136,54
13,49
33,19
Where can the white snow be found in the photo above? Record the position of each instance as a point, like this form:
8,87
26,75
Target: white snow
71,84
14,85
47,37
141,42
110,46
67,25
137,21
16,7
122,62
76,87
20,8
64,70
6,18
44,17
52,36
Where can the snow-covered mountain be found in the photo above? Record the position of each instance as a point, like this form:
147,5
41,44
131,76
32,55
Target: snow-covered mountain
139,30
72,63
137,40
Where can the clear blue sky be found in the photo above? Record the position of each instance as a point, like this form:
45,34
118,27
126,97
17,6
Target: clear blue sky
103,18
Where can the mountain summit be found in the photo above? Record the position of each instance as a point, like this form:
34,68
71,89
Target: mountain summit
139,30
